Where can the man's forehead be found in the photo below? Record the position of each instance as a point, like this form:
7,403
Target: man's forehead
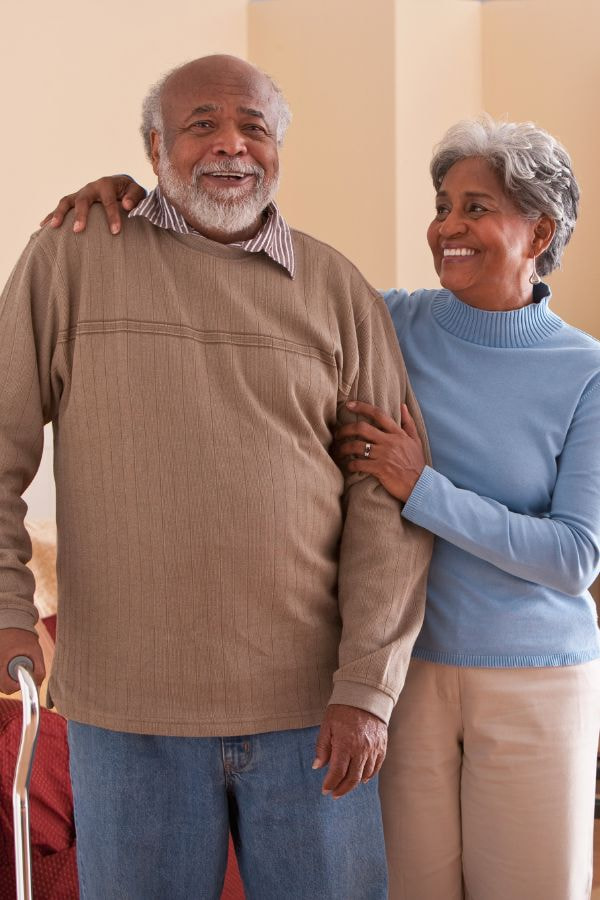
245,90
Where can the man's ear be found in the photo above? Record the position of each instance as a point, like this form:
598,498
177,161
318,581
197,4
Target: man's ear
155,150
543,232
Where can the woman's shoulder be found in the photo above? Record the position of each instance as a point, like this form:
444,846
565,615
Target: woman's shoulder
578,345
405,305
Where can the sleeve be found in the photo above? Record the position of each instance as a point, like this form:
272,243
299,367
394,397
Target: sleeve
384,559
27,341
559,550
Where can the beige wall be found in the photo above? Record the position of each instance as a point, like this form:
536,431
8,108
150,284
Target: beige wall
73,76
438,81
336,63
372,90
542,62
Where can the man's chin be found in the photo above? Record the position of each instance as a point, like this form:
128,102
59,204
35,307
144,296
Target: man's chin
225,218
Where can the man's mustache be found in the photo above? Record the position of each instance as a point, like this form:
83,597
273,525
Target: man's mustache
228,167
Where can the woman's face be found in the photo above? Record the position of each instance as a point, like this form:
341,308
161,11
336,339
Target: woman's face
482,245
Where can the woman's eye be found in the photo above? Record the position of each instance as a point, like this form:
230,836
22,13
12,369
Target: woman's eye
441,212
477,208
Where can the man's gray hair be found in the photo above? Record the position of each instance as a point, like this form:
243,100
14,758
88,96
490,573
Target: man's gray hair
152,119
534,169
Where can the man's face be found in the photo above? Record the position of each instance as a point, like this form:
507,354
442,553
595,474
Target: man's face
217,158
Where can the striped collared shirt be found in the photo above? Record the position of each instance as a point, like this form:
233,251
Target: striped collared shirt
274,238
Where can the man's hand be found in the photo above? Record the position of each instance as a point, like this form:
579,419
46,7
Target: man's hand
107,191
19,642
353,742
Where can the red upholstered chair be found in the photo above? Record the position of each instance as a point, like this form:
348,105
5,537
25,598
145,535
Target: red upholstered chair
53,862
53,859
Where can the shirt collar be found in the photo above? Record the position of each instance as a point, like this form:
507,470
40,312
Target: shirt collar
274,238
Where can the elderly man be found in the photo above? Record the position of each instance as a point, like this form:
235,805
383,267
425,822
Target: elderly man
221,592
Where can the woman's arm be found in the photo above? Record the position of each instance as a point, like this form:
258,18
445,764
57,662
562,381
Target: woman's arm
559,550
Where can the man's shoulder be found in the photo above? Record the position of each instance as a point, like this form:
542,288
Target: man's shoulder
63,241
317,252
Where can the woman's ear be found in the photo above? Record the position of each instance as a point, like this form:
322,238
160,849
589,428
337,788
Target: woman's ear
543,232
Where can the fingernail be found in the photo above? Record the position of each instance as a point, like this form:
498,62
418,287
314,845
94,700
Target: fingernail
127,203
54,221
114,228
316,764
325,792
77,226
351,404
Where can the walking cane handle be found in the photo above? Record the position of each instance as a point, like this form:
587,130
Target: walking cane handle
16,661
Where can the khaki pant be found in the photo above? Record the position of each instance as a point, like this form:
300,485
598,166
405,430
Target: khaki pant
489,782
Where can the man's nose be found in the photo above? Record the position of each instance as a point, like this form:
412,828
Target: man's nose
229,141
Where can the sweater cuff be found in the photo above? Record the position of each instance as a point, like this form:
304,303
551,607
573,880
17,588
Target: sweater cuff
417,499
353,693
18,618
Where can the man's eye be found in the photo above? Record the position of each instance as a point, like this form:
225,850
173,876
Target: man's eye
256,129
201,123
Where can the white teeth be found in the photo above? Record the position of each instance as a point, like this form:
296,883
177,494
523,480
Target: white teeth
458,251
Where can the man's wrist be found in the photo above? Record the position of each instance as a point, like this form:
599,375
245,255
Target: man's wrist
363,696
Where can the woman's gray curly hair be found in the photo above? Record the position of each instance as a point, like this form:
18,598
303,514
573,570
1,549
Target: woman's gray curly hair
535,170
152,113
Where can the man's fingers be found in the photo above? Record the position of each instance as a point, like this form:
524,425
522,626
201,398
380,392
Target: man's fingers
352,778
379,762
323,747
17,642
339,765
370,769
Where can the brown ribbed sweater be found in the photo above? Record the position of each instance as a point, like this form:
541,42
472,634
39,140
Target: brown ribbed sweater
215,577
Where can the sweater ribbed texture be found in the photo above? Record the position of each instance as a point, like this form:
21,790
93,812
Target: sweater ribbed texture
215,575
511,401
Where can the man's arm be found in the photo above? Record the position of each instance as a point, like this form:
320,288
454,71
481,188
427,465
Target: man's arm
108,191
27,400
383,569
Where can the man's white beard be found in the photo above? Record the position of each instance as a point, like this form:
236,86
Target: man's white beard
220,210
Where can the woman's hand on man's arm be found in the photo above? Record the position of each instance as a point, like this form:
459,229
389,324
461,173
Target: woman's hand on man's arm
109,191
390,452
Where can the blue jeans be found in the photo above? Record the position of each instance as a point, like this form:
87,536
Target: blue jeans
153,815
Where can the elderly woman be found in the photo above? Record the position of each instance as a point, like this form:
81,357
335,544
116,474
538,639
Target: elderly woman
488,787
489,779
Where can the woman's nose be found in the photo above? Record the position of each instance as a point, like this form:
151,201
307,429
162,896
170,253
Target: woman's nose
454,223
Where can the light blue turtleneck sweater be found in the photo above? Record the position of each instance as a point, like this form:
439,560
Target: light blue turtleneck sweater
511,401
